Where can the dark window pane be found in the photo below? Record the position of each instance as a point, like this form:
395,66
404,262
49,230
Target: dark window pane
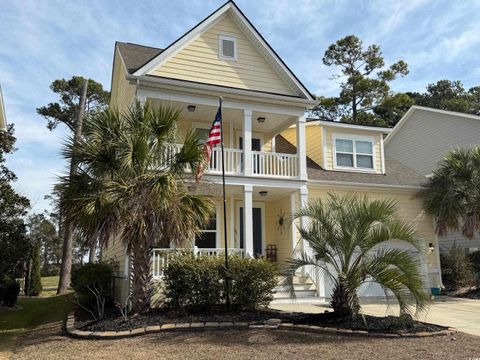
345,160
206,240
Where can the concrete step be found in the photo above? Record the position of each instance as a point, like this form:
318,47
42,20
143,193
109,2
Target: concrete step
296,280
305,300
296,287
298,294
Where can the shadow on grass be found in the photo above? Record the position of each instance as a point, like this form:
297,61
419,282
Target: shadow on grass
32,313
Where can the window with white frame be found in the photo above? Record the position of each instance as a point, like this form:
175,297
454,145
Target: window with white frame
354,153
207,238
227,46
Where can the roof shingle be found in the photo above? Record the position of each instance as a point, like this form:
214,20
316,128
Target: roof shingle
135,56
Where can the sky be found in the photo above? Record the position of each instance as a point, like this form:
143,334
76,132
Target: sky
41,41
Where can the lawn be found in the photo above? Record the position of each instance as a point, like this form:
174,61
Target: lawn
50,282
31,313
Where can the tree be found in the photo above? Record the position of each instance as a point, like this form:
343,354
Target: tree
33,281
349,238
66,109
43,230
131,184
449,95
452,195
14,243
364,85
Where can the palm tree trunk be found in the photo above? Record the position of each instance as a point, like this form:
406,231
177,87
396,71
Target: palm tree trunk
344,302
141,278
66,267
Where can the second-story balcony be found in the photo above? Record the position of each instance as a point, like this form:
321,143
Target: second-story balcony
262,164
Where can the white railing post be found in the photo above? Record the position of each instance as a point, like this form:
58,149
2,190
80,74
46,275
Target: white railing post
195,251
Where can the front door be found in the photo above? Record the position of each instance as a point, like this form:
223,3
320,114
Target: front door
257,230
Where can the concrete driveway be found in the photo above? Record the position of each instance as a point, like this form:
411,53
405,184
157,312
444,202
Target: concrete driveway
463,314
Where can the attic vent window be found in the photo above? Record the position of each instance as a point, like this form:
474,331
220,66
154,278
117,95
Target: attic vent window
227,48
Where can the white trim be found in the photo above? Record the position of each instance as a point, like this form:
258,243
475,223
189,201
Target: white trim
255,204
337,124
382,154
256,181
221,38
3,127
324,143
354,139
250,32
321,183
217,223
269,103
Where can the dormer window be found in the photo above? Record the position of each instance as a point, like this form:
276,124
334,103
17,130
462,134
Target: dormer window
353,153
227,47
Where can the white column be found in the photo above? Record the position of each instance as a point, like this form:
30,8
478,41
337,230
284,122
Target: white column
232,241
293,209
247,142
302,148
248,220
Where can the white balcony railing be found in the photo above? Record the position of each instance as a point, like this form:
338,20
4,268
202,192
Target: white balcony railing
268,164
161,256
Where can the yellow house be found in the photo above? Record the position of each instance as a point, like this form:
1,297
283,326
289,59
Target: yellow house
3,117
275,158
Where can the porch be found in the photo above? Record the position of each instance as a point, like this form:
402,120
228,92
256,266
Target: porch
258,224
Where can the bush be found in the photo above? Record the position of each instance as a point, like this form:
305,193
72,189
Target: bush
474,258
457,270
9,290
253,281
199,282
51,270
92,284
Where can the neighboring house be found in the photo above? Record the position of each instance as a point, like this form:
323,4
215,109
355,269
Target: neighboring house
423,137
275,160
3,117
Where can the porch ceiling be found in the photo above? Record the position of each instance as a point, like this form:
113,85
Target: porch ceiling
204,113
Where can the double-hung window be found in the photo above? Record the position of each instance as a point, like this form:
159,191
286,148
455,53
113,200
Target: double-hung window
207,238
353,153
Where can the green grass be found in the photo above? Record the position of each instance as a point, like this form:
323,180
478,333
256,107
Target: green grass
34,311
50,281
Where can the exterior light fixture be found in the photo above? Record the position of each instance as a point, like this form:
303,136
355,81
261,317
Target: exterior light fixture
431,247
263,193
261,120
191,108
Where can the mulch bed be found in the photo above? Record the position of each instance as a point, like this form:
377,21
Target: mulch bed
467,293
390,324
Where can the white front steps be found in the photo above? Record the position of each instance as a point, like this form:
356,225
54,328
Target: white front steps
304,288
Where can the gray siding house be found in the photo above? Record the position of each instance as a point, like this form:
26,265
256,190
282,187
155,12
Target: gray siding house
422,138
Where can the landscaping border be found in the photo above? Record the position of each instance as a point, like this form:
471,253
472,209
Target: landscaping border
272,324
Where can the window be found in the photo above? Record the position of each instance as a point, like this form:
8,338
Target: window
208,237
227,47
353,153
202,134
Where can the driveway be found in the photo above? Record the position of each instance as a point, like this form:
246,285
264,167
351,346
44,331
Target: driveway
463,314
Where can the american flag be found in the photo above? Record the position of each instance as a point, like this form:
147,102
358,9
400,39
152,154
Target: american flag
214,138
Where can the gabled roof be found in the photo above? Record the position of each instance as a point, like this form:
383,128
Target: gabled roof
246,26
135,56
416,108
3,117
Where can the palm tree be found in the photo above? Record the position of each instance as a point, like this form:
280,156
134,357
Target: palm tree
453,193
131,183
348,237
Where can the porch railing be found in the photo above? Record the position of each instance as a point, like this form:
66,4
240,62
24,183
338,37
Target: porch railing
269,164
161,256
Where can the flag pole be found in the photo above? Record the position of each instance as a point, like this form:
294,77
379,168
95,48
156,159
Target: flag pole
227,282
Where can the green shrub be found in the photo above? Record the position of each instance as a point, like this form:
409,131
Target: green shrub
190,281
252,281
9,290
92,284
457,270
50,270
34,281
199,282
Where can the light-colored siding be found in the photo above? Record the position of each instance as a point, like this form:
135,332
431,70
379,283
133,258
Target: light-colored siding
456,237
122,92
115,251
275,235
313,135
409,209
427,136
199,62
